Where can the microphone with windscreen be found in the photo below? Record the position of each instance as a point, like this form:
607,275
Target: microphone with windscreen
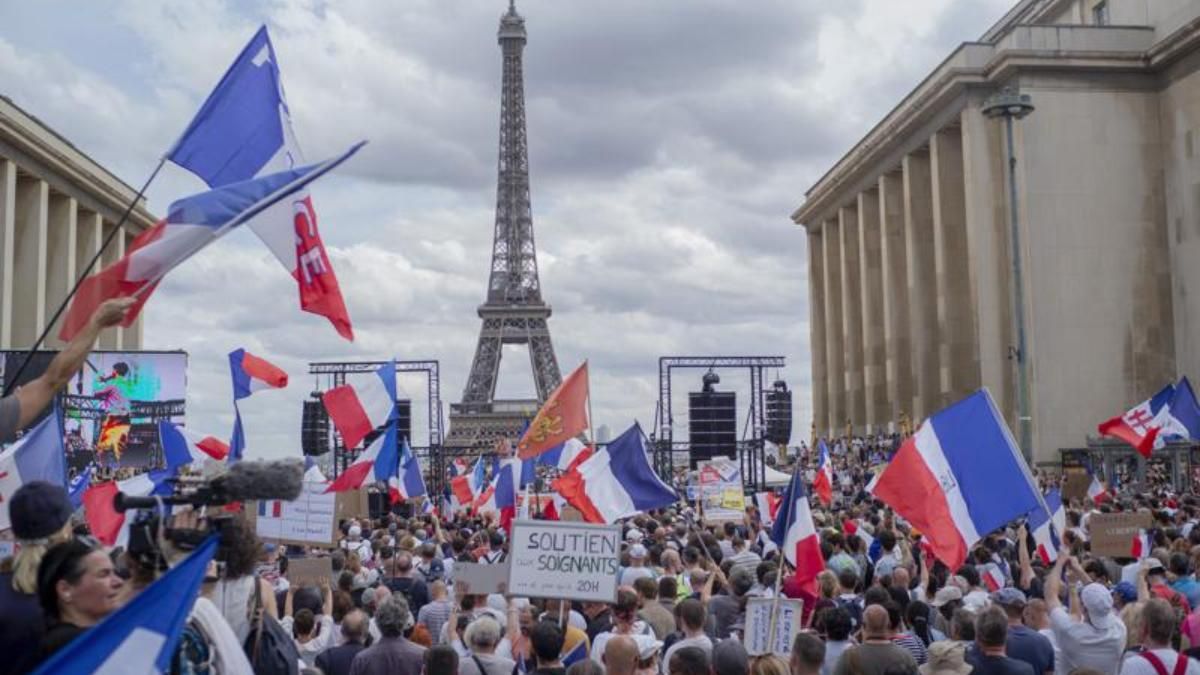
244,481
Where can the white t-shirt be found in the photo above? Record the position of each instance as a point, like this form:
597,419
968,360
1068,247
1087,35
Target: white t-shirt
1082,645
639,628
1135,664
703,642
628,575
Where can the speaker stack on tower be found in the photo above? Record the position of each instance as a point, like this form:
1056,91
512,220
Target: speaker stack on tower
712,422
779,413
314,427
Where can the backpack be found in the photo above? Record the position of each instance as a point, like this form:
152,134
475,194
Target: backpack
269,647
405,587
852,608
434,572
192,656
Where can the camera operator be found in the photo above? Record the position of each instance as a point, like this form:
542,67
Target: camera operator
41,517
233,594
23,406
77,588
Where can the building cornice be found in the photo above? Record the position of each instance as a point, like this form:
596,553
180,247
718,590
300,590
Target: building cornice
1027,47
30,136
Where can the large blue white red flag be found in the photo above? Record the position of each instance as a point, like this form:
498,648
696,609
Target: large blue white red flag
191,224
250,374
244,130
467,487
958,478
795,534
616,482
1137,426
1180,418
361,407
408,483
1047,527
561,456
141,636
38,455
182,446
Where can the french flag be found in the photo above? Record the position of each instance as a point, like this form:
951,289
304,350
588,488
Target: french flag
243,131
616,482
360,408
250,374
993,578
182,446
768,505
1136,427
794,533
562,456
191,224
141,636
38,455
466,487
1097,492
1142,545
823,482
377,463
409,483
960,476
1046,527
108,524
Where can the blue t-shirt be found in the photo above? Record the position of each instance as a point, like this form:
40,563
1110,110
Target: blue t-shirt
1189,588
997,665
1025,644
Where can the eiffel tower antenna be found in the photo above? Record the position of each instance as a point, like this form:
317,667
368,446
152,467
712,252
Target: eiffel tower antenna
513,311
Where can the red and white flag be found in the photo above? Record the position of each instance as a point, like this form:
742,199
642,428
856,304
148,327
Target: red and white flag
1097,492
823,482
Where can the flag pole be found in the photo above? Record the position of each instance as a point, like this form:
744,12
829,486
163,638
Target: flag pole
9,384
787,524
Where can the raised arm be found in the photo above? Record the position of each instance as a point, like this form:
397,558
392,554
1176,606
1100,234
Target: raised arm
1053,588
1026,566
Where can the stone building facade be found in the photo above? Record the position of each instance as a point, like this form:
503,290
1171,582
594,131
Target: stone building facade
56,207
910,268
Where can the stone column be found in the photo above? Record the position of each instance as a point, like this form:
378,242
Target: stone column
958,353
894,270
816,314
60,258
8,228
29,302
922,282
835,360
986,208
870,268
111,337
856,402
90,232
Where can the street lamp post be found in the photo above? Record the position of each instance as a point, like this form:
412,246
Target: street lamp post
1011,105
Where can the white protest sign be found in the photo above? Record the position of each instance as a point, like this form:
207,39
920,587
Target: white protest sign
758,625
307,520
575,561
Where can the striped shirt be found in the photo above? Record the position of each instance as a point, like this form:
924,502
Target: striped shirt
746,560
434,615
913,645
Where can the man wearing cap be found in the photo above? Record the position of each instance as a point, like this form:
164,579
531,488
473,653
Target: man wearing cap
1095,640
1024,643
1156,579
637,566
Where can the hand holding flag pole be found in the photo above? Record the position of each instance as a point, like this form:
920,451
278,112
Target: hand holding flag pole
787,524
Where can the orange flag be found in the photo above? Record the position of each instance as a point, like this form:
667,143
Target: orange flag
562,417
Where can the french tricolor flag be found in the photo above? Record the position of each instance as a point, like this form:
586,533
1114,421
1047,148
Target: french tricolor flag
250,374
1047,527
110,525
993,578
1096,491
823,482
1136,427
38,455
616,482
465,488
1142,545
191,224
377,463
362,407
408,483
182,446
960,476
794,533
561,456
768,505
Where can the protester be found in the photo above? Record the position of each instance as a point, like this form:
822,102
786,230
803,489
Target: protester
692,619
654,613
1023,644
991,636
546,638
393,654
482,637
1157,656
808,655
77,588
1094,640
877,653
234,593
337,660
440,660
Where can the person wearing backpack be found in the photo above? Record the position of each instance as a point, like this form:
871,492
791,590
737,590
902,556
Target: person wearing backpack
1158,658
430,568
404,580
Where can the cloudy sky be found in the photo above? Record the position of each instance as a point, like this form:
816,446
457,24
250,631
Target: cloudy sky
669,141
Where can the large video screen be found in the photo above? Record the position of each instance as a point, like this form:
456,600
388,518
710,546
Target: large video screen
112,406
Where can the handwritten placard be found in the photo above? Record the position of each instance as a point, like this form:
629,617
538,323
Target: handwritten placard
309,571
1112,533
757,638
306,521
575,561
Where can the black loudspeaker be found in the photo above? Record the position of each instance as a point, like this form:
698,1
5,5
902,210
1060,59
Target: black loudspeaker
404,421
779,414
712,425
314,428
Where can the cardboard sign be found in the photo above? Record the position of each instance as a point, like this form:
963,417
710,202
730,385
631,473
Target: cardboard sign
309,571
720,491
1112,533
575,561
353,504
757,639
306,521
481,579
1075,484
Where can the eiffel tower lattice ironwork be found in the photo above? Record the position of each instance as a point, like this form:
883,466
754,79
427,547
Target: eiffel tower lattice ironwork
514,312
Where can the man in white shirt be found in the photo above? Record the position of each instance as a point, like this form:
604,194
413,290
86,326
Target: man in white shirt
1158,624
692,617
1098,639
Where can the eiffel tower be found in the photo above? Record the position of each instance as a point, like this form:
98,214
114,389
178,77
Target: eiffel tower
514,312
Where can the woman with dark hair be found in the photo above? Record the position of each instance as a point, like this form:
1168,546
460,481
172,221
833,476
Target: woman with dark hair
917,615
234,593
77,588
